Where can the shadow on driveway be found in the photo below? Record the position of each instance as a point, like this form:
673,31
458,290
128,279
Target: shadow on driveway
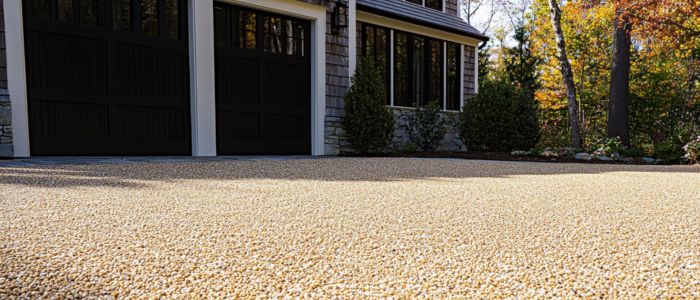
136,173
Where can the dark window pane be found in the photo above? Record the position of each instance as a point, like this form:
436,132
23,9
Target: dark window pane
299,39
369,40
418,71
88,12
40,8
65,10
401,97
246,30
376,48
453,76
434,4
419,2
149,17
172,19
121,14
435,76
273,34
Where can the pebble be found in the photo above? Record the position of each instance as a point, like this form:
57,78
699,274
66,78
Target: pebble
349,228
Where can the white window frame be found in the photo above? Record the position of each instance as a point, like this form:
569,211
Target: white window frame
444,5
392,63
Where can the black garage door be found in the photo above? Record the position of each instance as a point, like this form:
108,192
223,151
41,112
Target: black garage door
263,90
107,77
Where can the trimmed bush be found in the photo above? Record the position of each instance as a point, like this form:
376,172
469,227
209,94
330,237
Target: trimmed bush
368,123
427,127
500,118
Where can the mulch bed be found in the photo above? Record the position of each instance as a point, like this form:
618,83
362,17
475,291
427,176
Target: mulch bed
476,155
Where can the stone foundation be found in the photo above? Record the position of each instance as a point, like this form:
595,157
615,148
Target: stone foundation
337,143
6,147
401,139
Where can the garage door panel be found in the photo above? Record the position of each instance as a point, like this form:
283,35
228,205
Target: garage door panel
263,94
51,119
238,125
148,123
235,77
284,127
285,85
99,88
147,72
59,62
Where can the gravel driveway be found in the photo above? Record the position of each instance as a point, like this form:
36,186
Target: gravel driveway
350,228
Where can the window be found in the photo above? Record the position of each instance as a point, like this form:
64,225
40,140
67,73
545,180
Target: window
425,70
375,46
149,17
89,11
121,14
257,30
172,19
40,8
245,30
454,52
434,4
417,70
65,10
159,18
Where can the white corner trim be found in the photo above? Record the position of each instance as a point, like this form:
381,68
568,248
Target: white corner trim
202,77
476,70
317,15
352,36
462,55
16,76
391,67
444,76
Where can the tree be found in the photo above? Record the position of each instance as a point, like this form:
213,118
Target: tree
567,74
521,64
618,107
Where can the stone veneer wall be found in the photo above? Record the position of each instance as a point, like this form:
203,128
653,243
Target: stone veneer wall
451,141
6,148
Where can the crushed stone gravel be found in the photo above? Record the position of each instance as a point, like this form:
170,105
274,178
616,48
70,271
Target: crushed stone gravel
349,228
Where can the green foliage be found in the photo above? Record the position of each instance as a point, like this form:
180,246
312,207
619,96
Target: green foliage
427,127
692,151
368,123
521,63
669,151
500,118
608,146
408,148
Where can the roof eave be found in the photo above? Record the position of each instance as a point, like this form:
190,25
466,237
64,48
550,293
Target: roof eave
420,22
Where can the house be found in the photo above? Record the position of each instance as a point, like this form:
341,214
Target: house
229,77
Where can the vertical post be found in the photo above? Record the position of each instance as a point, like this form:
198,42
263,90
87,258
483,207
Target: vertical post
391,66
462,55
476,69
444,75
16,76
318,86
202,77
352,36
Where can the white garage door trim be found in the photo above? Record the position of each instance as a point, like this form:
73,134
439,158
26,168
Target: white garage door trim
203,77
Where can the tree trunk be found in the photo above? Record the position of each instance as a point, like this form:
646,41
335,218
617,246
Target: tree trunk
566,73
618,107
